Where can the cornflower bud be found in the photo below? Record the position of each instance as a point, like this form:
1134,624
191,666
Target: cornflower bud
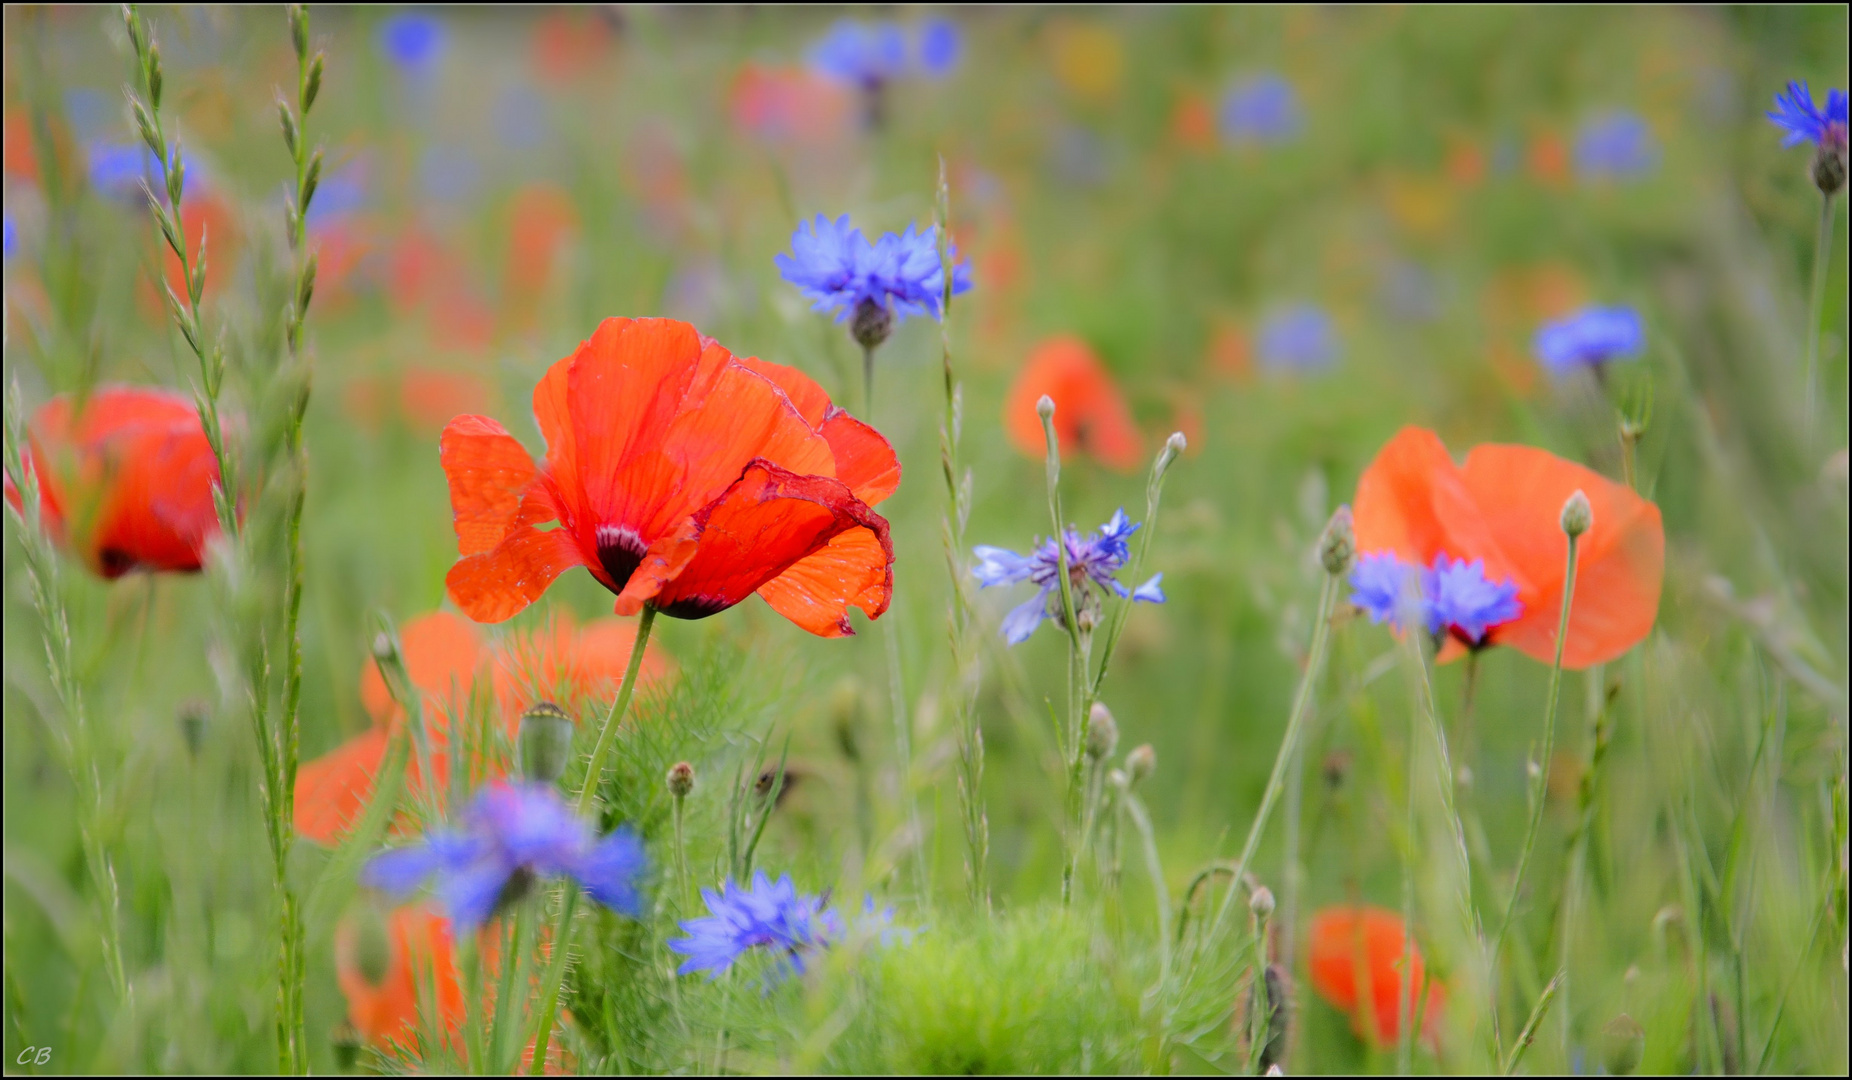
1173,446
1578,515
681,779
1141,762
1045,407
1623,1044
1261,903
1337,548
1102,732
1829,168
871,325
546,742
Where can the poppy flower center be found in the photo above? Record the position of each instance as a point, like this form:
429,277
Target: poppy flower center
620,552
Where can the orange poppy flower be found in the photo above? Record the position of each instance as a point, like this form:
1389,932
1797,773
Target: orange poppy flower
444,657
1090,412
127,481
684,478
789,104
207,220
1504,506
1356,953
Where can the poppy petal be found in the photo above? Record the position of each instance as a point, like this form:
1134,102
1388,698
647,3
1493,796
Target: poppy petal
1091,414
495,585
441,654
332,790
764,524
855,569
864,459
1412,501
1520,490
488,472
810,400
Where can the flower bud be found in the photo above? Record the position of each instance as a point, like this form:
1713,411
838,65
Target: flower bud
1623,1044
193,726
1045,407
845,712
372,945
1141,762
546,742
382,647
1578,516
1173,446
1829,168
871,325
1337,548
1118,780
1261,903
1102,732
681,779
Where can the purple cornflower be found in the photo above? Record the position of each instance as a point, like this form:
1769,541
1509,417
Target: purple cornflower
869,55
512,834
412,40
1092,561
767,915
1260,109
834,265
1590,338
1452,596
1298,338
1803,121
1615,145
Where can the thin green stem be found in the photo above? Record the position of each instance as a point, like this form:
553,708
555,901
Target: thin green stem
1074,753
554,977
1405,995
1822,261
1540,785
594,769
1529,1034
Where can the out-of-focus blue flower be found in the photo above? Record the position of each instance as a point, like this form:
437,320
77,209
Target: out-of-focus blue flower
1452,596
1462,601
1615,146
1260,109
118,169
861,53
1298,338
1589,338
939,46
768,915
835,266
340,194
12,236
1093,561
412,40
512,834
1803,121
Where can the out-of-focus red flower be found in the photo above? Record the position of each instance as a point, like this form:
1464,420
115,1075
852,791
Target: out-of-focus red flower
126,479
541,221
1230,353
21,158
1091,415
569,45
205,218
1355,957
1466,163
789,105
1192,122
684,478
1504,506
1549,159
431,398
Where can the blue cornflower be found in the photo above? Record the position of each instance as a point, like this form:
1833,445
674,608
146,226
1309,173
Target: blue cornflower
118,169
938,47
1452,596
838,268
1260,109
1803,121
12,236
341,194
1298,338
1615,145
861,53
412,40
1092,561
1464,602
1589,338
511,835
767,915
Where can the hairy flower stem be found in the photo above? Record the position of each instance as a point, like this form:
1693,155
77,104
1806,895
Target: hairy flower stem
1539,786
1289,741
1822,261
594,769
959,617
1405,997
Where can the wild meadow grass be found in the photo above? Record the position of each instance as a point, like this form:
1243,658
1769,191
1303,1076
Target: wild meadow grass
1220,783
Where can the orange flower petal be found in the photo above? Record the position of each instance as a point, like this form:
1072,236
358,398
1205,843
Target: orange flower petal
1520,490
1090,413
496,585
1358,951
765,523
332,790
422,953
855,569
442,654
1413,501
488,472
864,459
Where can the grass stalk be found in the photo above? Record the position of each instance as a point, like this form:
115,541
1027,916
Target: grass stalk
1529,1033
1075,728
1816,303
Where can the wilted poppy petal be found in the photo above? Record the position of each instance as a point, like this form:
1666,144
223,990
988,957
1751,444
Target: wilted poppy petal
1520,491
1091,414
488,472
855,569
441,654
764,524
497,584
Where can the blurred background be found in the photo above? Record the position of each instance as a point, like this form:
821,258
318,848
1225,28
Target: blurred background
1285,233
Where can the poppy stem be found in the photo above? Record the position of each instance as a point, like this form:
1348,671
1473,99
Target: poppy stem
555,975
594,770
1539,785
1405,978
1822,260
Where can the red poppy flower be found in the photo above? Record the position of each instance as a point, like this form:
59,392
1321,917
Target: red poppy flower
788,104
1090,412
1504,506
127,481
682,477
444,658
1355,956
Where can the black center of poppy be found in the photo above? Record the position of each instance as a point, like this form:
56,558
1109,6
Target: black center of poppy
620,552
693,607
115,562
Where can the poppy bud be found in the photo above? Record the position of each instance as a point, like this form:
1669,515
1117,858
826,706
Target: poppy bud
346,1043
1102,732
1261,903
1829,168
1335,768
1118,780
1623,1044
546,742
1045,407
681,779
871,325
1337,549
1141,762
1279,1018
1173,446
372,945
1578,516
